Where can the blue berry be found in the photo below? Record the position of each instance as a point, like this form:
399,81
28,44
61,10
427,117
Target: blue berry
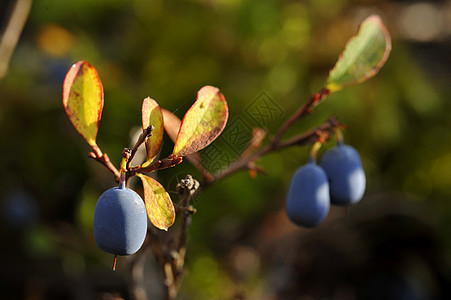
120,221
346,176
308,196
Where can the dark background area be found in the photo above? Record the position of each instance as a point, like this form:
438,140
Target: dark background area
394,244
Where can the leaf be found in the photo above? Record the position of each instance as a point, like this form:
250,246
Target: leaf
151,115
172,126
363,57
159,206
203,122
83,99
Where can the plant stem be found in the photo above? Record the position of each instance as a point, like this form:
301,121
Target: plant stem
164,163
339,135
314,151
174,263
304,110
246,161
126,154
308,137
11,35
103,158
141,139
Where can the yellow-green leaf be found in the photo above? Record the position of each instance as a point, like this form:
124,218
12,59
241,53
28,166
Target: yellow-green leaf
363,57
159,206
172,125
83,99
151,115
203,122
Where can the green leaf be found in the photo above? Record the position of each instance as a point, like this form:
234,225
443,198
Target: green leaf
363,57
203,122
159,206
83,99
151,115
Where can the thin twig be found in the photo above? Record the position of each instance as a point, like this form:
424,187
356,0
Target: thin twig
141,139
170,161
307,138
258,135
103,158
310,136
10,38
304,110
186,189
173,261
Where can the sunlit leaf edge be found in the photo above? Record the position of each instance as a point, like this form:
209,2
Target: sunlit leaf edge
333,87
186,142
69,80
151,203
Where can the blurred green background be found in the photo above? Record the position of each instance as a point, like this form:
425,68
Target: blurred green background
266,57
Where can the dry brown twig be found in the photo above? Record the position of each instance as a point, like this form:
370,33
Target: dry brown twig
11,35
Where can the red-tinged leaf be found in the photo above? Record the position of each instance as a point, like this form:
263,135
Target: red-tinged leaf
151,115
83,99
363,57
159,206
203,122
172,126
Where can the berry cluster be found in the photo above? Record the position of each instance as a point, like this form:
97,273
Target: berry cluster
339,179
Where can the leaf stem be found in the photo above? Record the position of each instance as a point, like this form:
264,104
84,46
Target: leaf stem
314,151
339,135
103,158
